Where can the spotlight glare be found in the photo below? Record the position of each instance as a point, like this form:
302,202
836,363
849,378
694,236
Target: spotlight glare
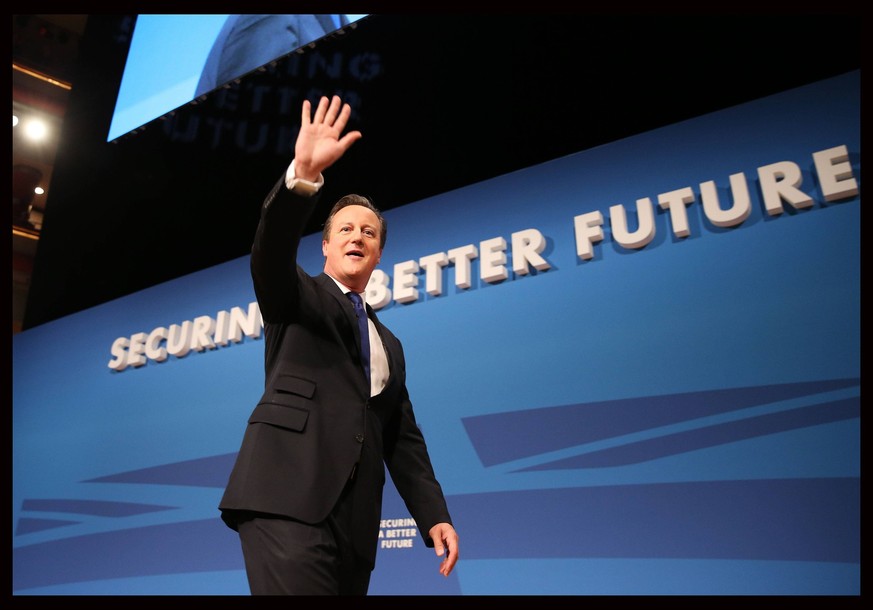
36,129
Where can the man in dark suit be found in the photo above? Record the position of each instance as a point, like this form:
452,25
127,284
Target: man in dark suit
247,42
305,493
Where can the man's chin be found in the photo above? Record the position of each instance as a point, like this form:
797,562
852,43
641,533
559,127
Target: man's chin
354,275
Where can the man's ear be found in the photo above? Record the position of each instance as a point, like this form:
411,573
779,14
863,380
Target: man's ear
323,248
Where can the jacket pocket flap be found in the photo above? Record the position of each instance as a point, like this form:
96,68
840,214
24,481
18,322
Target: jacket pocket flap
291,418
295,385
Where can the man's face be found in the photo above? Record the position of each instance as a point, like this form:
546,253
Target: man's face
352,249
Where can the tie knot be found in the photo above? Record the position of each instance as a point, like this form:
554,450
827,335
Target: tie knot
356,299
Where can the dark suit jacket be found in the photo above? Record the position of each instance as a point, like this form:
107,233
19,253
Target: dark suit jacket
247,42
316,421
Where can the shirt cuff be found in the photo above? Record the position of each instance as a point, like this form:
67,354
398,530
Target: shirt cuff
301,186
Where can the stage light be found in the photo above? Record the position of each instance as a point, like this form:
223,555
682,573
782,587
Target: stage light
36,130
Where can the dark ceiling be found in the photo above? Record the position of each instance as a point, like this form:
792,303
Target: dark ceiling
443,101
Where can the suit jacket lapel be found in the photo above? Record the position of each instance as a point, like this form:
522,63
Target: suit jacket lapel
348,310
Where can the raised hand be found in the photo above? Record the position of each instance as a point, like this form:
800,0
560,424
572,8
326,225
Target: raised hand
321,142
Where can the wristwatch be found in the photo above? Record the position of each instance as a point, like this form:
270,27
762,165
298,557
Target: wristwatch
301,186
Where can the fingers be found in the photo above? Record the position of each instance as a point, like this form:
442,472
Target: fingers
446,543
343,118
321,141
306,113
332,113
350,138
320,111
334,110
449,561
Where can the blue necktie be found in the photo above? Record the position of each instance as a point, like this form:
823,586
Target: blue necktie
364,327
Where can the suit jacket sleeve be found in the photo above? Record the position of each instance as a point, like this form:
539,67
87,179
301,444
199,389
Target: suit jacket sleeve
409,464
274,252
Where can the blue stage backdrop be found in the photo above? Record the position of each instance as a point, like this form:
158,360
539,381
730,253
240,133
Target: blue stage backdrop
637,368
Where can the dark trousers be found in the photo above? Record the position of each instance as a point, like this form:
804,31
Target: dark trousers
288,557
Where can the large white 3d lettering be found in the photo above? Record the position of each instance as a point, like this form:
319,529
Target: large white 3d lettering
779,184
178,340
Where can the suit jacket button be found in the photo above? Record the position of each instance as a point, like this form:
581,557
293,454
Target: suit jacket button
359,438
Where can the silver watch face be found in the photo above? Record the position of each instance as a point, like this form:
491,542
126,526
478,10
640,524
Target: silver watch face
303,188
